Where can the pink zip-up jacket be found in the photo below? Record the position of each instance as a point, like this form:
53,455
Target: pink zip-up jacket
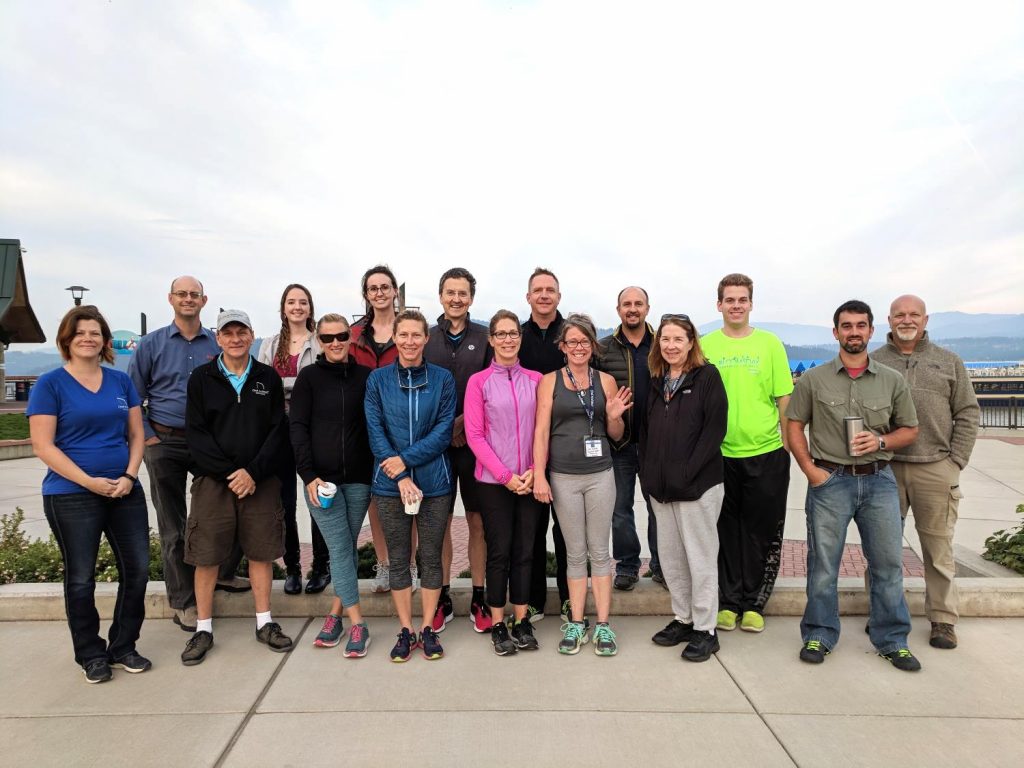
500,411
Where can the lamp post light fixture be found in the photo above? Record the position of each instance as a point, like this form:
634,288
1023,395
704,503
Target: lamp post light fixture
77,291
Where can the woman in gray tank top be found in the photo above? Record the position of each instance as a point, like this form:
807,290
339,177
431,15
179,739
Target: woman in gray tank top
578,409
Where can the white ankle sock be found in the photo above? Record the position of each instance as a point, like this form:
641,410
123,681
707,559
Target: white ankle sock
204,625
262,619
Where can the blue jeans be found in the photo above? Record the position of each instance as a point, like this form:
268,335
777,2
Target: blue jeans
77,520
340,525
872,502
625,541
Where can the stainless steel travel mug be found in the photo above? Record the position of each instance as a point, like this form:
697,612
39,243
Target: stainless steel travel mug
854,424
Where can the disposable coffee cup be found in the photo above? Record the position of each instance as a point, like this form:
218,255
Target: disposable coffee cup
326,493
413,507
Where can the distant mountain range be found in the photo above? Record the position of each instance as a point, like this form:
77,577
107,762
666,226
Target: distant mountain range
942,327
975,337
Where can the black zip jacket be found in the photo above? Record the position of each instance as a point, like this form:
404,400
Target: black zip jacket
540,352
617,359
328,423
227,431
472,355
681,440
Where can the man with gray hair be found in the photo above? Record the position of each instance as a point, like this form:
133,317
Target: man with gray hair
928,470
160,369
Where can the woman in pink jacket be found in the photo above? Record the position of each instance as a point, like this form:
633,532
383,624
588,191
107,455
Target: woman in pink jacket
500,406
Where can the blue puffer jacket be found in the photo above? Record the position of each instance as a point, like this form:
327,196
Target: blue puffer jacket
410,413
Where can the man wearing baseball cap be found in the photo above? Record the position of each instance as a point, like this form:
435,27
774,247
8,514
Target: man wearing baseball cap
234,423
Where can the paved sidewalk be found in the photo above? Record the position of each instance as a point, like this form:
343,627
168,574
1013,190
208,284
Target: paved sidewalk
753,704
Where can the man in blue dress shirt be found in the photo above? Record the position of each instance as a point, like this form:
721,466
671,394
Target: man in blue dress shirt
160,369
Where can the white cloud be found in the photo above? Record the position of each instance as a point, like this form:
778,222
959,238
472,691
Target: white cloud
826,152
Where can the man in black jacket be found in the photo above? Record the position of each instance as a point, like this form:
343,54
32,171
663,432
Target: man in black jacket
539,352
234,424
625,357
461,346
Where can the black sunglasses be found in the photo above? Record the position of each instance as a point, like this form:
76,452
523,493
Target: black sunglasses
676,316
328,338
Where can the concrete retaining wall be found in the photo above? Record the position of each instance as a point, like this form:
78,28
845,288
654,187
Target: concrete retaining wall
988,597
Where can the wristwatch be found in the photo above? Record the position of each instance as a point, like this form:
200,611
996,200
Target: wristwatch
881,443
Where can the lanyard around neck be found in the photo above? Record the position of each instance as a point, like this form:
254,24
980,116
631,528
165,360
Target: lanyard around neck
579,393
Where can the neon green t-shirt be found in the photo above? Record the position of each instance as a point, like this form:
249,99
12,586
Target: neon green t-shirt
755,371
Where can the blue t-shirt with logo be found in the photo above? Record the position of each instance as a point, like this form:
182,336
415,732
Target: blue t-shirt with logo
92,428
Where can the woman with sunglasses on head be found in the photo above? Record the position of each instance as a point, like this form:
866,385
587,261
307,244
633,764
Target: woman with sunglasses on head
410,412
288,352
373,346
578,409
500,410
86,426
682,469
328,431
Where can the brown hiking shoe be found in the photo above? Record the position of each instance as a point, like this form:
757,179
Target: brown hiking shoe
943,636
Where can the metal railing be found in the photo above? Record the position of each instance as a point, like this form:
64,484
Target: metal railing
1001,412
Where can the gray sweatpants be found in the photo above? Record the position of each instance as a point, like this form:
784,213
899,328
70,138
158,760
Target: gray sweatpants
431,523
584,506
688,553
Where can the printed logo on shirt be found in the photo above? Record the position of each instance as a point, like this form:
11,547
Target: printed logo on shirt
122,403
259,389
751,362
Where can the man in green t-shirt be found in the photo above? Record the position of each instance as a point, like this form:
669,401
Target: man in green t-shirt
755,371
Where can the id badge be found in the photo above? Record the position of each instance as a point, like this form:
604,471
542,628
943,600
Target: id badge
592,447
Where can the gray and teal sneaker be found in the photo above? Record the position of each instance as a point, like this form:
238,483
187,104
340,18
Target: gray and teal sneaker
604,640
330,633
574,634
358,641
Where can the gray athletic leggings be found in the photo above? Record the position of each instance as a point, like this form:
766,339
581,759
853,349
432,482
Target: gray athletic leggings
431,523
584,506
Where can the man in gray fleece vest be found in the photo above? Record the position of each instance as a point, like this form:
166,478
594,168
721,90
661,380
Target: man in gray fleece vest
928,470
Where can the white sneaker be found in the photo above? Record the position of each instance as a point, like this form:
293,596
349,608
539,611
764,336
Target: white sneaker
382,579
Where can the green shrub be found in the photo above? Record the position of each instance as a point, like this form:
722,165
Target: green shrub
1006,547
24,560
13,426
39,560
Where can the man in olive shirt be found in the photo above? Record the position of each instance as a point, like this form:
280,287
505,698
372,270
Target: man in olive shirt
928,472
852,480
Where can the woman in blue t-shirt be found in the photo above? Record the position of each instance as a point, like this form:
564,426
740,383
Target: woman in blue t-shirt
86,426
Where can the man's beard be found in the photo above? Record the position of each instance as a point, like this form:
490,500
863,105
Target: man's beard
854,347
906,335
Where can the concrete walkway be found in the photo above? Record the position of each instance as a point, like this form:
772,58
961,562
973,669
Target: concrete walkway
753,704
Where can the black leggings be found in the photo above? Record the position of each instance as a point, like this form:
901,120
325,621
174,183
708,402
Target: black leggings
510,528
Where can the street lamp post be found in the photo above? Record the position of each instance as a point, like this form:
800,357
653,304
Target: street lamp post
77,291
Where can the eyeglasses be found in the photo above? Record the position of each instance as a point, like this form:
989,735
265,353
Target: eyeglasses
378,289
186,294
330,338
502,335
581,343
676,316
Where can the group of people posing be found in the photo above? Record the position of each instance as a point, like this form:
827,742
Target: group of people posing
535,420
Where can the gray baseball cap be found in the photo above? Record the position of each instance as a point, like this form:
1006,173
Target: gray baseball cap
228,316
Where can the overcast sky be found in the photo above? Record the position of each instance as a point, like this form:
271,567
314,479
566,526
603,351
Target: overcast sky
827,154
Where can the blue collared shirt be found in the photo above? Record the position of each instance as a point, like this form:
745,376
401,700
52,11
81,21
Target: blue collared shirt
160,367
235,379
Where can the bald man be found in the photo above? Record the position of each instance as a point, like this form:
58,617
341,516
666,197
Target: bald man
625,358
160,369
928,470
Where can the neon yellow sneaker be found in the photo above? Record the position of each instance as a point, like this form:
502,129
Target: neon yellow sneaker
752,621
727,620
